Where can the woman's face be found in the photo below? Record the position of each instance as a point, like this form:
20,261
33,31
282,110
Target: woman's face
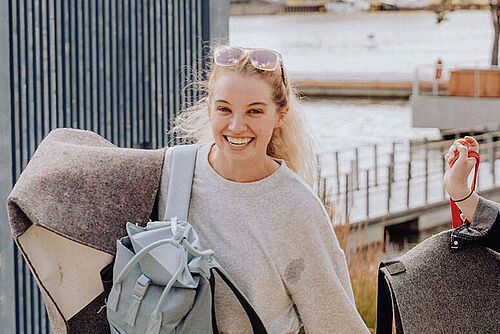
242,116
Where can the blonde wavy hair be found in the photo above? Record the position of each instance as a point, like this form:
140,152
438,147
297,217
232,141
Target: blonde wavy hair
290,142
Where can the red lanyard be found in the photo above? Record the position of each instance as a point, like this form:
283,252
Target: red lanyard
455,211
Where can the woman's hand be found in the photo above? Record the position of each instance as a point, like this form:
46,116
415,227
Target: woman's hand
455,178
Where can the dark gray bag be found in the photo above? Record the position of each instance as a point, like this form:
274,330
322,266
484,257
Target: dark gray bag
449,283
163,279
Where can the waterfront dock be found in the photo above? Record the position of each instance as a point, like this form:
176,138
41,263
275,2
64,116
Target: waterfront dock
332,88
339,88
360,88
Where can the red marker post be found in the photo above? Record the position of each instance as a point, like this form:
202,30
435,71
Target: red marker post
439,69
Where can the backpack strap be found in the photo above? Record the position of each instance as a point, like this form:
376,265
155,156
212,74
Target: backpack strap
179,186
180,182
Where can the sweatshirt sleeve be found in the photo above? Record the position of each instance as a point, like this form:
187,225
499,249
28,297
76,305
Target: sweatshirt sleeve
487,220
316,275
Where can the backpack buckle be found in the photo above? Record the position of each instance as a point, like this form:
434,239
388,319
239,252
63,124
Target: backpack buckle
142,285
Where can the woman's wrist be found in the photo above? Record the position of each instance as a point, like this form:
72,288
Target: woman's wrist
468,206
459,193
457,200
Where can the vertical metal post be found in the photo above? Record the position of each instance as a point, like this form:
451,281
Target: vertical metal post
215,20
410,156
352,174
367,193
408,184
491,155
375,164
347,198
356,167
393,160
7,258
337,174
493,163
389,188
426,173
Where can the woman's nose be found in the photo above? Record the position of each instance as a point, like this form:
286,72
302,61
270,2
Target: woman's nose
237,124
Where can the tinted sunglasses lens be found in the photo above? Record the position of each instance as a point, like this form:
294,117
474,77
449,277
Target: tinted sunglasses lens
228,56
264,60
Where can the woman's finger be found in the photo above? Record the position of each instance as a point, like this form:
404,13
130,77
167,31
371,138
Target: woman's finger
473,144
463,152
453,154
451,150
461,141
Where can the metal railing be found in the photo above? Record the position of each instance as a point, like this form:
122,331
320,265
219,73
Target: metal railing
375,181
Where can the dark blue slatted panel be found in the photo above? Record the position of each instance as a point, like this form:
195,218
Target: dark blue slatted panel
116,67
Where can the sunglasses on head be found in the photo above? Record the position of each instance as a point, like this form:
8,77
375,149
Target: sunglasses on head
262,59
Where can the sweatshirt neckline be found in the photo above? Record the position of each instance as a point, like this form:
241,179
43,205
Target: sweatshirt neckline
270,179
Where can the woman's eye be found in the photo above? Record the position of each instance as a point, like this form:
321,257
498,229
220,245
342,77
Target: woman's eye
255,111
223,109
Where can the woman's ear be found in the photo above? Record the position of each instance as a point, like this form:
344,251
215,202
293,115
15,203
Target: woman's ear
281,117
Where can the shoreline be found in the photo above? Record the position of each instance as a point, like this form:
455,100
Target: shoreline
252,8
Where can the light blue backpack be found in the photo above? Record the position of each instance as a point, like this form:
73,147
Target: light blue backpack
163,279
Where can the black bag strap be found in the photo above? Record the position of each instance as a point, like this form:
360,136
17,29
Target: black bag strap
387,306
384,306
180,183
257,325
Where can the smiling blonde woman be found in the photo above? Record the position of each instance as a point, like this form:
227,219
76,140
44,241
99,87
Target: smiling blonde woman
251,202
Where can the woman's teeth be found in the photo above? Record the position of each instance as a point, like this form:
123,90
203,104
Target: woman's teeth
238,141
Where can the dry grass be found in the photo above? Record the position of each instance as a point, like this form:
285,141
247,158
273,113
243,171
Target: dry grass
363,262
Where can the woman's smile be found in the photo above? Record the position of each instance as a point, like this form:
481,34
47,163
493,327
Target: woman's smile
238,141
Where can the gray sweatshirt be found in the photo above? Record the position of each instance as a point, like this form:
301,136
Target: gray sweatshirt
275,239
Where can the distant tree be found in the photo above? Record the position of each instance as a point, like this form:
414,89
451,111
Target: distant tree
447,6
